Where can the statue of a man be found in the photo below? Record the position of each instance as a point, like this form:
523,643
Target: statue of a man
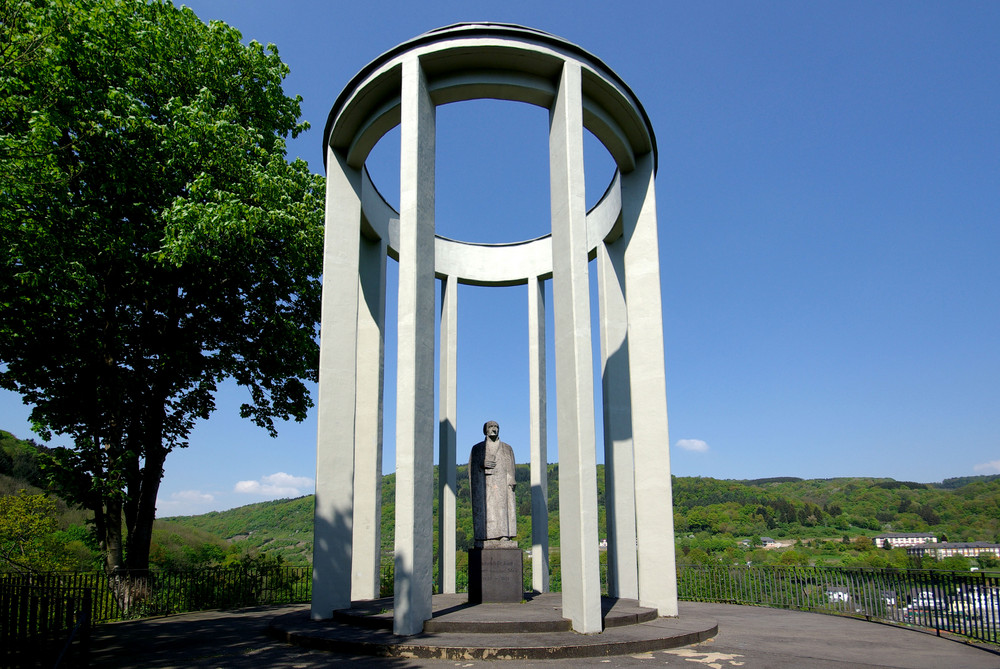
491,477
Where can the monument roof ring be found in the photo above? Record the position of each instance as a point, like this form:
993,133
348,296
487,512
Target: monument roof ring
470,61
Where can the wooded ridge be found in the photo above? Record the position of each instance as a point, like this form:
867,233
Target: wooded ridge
710,515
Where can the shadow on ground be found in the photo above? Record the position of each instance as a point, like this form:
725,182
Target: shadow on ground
210,639
749,638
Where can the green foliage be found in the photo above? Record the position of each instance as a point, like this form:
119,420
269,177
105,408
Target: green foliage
27,535
815,511
283,528
81,548
862,544
177,548
896,485
988,561
817,508
962,481
280,528
19,459
793,557
697,556
773,479
953,563
61,532
156,241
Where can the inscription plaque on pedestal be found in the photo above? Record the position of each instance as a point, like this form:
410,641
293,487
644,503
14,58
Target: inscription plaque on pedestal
495,575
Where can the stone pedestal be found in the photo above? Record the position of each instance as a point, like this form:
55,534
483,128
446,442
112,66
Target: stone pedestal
495,575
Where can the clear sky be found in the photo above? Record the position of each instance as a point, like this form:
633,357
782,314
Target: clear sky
829,207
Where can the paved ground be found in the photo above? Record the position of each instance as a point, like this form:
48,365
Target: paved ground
749,638
530,629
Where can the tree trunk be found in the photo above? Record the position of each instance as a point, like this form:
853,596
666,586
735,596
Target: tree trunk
144,486
141,534
112,535
145,483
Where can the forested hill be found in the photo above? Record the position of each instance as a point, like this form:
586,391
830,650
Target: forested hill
778,507
958,509
814,507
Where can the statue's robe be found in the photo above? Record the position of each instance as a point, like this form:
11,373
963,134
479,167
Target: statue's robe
493,513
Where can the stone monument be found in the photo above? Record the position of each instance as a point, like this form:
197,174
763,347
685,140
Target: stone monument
495,562
617,239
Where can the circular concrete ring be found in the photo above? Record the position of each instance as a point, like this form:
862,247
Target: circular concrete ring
472,61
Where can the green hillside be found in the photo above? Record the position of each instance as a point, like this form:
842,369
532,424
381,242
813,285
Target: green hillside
819,507
282,527
815,520
709,514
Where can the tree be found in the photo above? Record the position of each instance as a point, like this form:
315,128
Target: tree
862,544
155,242
27,534
697,556
929,515
988,560
793,557
954,563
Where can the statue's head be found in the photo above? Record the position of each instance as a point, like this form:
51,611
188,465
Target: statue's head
491,428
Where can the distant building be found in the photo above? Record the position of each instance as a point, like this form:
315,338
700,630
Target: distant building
904,539
925,600
970,549
837,593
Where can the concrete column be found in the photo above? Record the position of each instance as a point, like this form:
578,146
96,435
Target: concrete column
537,420
414,561
581,584
619,484
334,510
654,516
367,561
447,436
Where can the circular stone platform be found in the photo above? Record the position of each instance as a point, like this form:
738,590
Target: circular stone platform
533,629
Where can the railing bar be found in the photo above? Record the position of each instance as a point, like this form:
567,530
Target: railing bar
855,592
967,604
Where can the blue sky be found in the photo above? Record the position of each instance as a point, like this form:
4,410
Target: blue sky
829,207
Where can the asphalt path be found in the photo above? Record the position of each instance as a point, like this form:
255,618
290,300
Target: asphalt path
749,638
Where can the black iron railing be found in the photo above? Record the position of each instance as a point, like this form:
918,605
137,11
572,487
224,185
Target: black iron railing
152,593
963,603
42,625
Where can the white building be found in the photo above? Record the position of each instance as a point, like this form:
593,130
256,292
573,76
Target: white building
904,539
970,550
838,593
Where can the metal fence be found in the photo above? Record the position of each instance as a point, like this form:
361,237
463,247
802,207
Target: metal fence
964,603
967,604
156,593
42,625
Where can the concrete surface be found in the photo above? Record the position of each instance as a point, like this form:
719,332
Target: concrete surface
749,637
